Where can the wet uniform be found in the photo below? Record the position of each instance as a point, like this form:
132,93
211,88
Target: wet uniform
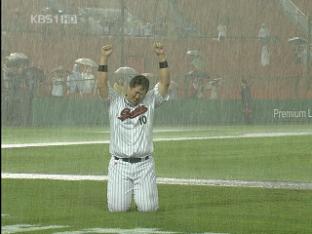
131,169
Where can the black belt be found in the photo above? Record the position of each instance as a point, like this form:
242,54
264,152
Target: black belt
132,160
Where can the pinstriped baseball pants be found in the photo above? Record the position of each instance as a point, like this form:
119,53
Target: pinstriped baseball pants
127,180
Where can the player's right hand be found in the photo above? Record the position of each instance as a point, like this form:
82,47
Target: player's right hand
107,50
158,48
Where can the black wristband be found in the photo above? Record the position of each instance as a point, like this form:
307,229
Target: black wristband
102,68
163,64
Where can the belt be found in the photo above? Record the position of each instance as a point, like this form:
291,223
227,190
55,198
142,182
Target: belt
132,160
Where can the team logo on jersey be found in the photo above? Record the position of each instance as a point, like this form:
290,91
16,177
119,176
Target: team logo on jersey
128,114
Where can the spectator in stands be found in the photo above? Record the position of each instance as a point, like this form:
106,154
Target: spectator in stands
214,86
264,38
246,101
74,81
88,84
222,31
265,56
264,34
35,77
300,48
197,75
17,90
58,82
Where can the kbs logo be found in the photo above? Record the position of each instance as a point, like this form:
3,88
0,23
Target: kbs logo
53,19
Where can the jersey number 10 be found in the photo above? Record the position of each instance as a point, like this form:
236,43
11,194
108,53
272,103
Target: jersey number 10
143,119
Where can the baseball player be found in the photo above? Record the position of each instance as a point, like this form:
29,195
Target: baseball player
131,170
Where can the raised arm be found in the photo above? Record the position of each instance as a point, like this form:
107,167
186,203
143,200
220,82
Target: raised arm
102,79
164,74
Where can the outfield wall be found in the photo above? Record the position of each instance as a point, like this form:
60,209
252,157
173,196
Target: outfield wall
93,112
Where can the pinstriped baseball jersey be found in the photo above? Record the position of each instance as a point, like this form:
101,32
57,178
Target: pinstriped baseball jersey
131,126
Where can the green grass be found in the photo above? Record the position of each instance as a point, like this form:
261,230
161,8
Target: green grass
81,205
32,135
189,209
277,158
285,158
61,134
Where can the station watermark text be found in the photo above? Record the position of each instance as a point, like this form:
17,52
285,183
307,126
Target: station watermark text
53,19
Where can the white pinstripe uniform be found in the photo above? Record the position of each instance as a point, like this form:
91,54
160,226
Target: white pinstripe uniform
131,137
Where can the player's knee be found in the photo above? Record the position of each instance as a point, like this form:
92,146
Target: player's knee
147,207
117,208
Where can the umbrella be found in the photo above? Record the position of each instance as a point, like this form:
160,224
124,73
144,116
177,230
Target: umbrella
215,81
193,53
297,40
87,62
126,71
149,75
18,56
125,74
198,74
16,59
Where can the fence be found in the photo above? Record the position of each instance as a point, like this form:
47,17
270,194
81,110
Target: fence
94,112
